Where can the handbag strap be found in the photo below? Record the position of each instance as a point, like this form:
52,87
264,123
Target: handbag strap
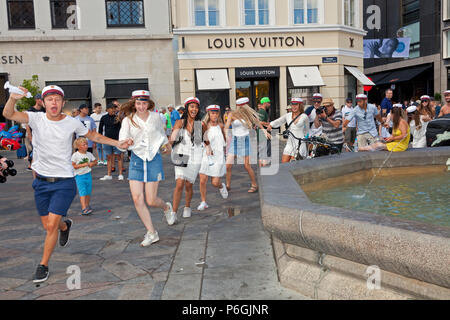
290,124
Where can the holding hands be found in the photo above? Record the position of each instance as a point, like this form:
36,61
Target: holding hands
125,144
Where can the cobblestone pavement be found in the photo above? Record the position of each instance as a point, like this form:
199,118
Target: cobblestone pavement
222,253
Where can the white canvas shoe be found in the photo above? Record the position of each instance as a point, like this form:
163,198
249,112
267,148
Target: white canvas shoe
224,191
150,238
203,206
171,216
187,212
105,178
120,178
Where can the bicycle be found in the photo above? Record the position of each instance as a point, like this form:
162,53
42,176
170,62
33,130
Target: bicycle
317,147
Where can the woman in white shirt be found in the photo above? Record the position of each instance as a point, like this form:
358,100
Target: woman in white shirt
146,166
213,161
418,124
298,123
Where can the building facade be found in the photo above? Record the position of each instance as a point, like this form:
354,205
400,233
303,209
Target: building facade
96,50
421,72
266,48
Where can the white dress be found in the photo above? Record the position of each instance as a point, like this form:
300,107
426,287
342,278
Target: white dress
299,129
419,135
194,151
217,141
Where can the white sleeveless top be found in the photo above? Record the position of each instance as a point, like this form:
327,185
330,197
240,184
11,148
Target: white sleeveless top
239,129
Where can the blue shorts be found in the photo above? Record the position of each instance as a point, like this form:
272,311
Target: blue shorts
146,171
109,150
240,146
54,197
84,184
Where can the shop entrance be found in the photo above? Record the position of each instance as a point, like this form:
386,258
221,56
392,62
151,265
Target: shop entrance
257,88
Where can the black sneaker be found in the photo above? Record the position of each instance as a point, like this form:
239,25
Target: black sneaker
41,274
64,235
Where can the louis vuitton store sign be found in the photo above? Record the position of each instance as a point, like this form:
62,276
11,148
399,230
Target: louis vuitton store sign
257,42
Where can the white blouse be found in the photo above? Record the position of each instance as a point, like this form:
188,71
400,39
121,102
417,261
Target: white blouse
148,137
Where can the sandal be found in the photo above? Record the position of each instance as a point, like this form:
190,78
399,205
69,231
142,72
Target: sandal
253,189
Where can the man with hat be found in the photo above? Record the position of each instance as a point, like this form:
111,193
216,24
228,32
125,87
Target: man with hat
38,107
445,110
364,114
330,120
54,186
88,122
350,131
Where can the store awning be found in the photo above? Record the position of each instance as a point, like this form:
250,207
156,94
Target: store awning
360,76
212,79
306,77
123,90
377,78
403,74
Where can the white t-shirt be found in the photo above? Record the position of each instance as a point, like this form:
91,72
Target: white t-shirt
345,113
97,118
80,158
52,144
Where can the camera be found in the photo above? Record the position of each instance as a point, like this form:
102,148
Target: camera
286,134
320,110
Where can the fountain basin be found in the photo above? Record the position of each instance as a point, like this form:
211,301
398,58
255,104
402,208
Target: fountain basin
331,253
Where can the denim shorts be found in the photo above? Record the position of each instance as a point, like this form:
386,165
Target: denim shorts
84,184
240,146
146,171
109,150
54,197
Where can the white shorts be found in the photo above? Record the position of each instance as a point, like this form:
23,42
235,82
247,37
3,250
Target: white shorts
188,173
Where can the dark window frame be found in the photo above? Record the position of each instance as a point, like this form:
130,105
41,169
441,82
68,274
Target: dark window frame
51,13
10,26
124,25
410,13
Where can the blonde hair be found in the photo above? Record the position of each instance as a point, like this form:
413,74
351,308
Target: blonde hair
79,141
247,116
206,119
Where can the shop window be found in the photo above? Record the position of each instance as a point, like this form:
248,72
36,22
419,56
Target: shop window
351,86
206,13
256,12
410,11
306,11
20,14
64,14
125,13
122,89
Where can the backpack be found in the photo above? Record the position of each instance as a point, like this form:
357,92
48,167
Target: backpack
438,127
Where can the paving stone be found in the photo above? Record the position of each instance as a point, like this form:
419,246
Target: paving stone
11,295
123,270
114,248
10,283
182,287
138,291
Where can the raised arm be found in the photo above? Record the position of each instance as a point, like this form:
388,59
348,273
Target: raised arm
10,113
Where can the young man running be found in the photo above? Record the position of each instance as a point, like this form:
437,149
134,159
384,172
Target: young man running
54,186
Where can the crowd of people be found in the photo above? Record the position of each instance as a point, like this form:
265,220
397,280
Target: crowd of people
64,149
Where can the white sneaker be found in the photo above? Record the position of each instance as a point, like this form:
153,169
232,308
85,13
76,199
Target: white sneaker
224,191
171,216
120,178
187,212
106,178
203,206
150,238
